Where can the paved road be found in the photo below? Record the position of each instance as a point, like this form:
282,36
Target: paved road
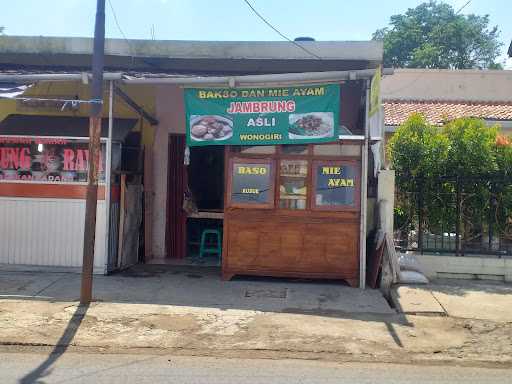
18,367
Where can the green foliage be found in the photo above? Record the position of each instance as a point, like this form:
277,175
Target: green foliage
498,66
417,150
432,35
431,163
472,149
504,159
504,190
400,218
472,158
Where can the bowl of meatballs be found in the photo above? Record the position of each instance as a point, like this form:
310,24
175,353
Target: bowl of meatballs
309,125
210,128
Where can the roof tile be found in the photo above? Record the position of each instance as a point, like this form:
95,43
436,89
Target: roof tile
436,112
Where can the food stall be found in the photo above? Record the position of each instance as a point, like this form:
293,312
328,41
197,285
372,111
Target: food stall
43,180
292,202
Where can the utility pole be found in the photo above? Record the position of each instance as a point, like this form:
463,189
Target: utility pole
96,109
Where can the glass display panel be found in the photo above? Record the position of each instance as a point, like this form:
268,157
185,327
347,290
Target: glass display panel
46,160
337,150
254,149
293,184
335,185
294,149
251,183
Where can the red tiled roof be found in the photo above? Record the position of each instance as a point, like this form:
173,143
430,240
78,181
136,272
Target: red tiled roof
437,112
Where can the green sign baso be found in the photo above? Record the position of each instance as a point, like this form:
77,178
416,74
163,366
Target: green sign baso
262,116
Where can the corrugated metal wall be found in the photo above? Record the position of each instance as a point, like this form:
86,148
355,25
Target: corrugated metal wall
47,232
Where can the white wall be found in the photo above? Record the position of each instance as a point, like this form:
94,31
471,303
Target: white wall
48,232
444,84
386,192
466,267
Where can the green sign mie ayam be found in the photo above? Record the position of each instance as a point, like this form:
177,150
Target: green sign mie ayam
262,116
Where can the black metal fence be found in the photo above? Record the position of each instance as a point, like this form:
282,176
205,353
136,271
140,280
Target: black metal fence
457,216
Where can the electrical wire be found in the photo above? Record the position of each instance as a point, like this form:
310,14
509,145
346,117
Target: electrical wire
464,6
117,21
121,31
278,32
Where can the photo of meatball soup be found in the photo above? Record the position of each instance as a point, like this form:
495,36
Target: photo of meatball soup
314,124
206,128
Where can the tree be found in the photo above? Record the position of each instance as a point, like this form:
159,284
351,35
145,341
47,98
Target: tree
472,150
418,153
433,35
472,159
461,172
417,150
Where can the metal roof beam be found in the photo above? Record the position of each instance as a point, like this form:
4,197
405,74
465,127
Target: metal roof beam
281,78
20,78
133,105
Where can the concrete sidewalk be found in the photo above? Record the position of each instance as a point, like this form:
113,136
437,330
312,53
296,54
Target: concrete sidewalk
467,299
196,287
195,313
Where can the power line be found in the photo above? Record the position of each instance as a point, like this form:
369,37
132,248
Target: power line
117,21
278,32
464,6
121,31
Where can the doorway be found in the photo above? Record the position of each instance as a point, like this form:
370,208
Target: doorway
195,203
205,175
176,185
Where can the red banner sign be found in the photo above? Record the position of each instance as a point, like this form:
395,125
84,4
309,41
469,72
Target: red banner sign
46,159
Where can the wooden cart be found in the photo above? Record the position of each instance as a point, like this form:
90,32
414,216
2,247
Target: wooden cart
293,211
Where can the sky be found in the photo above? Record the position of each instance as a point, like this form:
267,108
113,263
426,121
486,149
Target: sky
229,19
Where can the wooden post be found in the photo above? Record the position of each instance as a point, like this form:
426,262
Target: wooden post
94,153
148,202
122,214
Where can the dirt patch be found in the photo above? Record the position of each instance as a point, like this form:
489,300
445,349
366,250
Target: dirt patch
266,293
172,323
213,331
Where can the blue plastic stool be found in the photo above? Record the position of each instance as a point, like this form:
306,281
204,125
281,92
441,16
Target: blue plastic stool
216,248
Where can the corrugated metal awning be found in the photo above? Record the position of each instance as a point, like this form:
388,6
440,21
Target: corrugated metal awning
12,90
62,126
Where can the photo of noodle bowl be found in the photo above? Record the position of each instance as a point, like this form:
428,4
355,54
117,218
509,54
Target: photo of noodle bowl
311,125
210,128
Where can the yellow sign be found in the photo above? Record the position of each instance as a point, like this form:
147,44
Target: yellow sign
375,92
336,182
251,190
340,183
252,170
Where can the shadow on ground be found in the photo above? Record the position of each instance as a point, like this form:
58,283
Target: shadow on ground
198,287
45,368
202,287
